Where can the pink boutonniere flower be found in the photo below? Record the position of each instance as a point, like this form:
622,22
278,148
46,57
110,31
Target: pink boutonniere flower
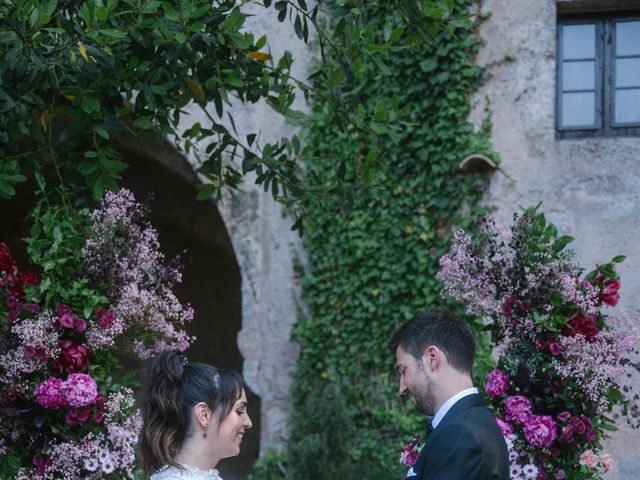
411,451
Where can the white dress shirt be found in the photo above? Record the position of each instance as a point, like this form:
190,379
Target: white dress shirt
446,406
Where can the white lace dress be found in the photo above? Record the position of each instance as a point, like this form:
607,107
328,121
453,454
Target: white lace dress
187,473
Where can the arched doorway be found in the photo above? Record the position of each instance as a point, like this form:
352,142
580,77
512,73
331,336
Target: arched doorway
211,276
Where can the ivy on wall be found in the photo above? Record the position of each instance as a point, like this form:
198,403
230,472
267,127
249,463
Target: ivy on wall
373,252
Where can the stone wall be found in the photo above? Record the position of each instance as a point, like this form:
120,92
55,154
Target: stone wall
589,187
266,249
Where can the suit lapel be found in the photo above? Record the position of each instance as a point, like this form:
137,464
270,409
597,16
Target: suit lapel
473,400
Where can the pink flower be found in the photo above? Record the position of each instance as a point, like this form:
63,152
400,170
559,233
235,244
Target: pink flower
554,349
411,458
507,307
72,358
517,408
106,318
80,390
497,385
589,459
540,430
49,394
560,474
505,427
579,324
610,294
7,264
80,324
564,416
578,426
63,309
607,462
66,320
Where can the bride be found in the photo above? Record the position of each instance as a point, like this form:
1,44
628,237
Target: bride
193,416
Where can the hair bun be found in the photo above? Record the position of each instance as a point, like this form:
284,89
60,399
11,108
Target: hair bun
168,368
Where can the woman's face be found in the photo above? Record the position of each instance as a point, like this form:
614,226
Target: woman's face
232,428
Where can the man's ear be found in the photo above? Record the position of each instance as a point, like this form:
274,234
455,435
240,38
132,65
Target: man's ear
432,357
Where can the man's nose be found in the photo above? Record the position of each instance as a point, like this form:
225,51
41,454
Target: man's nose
403,388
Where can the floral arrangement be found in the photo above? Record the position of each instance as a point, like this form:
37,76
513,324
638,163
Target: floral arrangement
561,361
411,451
104,289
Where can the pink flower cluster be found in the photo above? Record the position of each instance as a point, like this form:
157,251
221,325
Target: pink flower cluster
556,349
497,385
123,253
411,451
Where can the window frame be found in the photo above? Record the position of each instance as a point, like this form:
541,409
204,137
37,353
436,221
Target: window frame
605,77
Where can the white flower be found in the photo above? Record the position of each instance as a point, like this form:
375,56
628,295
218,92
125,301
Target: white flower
91,464
107,463
530,471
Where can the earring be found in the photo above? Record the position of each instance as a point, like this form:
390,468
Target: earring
204,430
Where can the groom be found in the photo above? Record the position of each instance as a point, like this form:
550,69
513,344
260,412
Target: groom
435,353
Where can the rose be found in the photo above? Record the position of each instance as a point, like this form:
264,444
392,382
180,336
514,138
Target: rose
609,294
578,426
517,408
72,358
28,278
411,458
607,462
106,318
80,324
564,416
554,349
497,385
63,309
7,264
580,324
507,308
589,459
540,430
66,320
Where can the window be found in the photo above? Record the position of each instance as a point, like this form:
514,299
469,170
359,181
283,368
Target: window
598,81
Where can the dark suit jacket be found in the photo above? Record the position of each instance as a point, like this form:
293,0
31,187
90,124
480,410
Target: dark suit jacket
466,445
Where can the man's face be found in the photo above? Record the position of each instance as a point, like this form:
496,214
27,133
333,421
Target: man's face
416,381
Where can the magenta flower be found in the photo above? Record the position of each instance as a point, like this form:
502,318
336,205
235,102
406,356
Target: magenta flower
505,427
80,390
497,385
540,430
66,320
555,349
49,394
517,408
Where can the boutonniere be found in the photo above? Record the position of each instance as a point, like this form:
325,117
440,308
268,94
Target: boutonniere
411,451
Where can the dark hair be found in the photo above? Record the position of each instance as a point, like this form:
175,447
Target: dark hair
441,328
171,387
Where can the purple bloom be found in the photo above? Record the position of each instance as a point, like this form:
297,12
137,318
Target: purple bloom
497,384
49,394
66,320
540,430
80,390
517,408
554,349
564,416
505,427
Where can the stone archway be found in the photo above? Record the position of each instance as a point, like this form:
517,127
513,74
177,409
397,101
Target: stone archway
211,275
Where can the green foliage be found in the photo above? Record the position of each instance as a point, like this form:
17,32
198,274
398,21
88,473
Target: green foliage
77,75
374,245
